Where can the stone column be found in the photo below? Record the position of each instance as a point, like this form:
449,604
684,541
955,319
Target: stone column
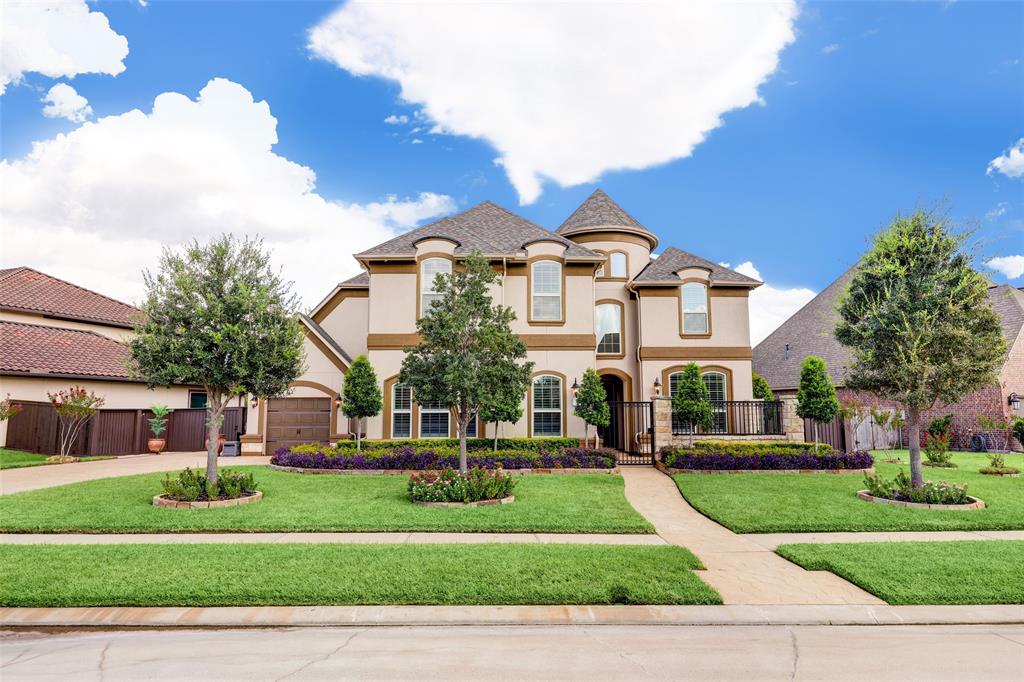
662,421
792,424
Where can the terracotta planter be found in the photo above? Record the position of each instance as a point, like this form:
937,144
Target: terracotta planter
156,445
220,444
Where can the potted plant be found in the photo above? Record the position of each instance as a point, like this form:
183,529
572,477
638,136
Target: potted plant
158,424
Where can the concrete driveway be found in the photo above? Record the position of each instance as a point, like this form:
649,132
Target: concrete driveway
31,478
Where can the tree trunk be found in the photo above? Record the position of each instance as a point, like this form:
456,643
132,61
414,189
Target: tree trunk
214,414
914,445
463,459
586,434
359,434
495,436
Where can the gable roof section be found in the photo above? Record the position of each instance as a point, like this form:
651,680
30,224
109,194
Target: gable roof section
809,331
25,289
487,228
327,340
35,350
663,269
358,282
600,210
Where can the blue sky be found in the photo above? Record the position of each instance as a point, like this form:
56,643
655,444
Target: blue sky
872,108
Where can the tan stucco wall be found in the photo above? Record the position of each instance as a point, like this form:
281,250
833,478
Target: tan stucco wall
116,333
392,308
742,384
348,324
730,322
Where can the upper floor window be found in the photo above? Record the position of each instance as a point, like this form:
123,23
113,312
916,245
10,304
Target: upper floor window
430,268
609,328
547,291
617,260
695,308
547,406
401,411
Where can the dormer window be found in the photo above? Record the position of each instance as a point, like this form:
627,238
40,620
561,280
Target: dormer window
695,308
430,268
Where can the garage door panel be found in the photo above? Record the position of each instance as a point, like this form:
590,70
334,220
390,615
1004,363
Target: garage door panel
293,421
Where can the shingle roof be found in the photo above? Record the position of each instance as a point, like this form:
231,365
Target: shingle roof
360,280
487,228
322,333
600,210
35,349
30,290
663,269
810,332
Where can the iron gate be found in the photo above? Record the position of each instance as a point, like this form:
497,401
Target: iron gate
631,431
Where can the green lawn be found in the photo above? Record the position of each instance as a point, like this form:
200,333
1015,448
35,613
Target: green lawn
304,574
15,459
584,503
966,572
771,503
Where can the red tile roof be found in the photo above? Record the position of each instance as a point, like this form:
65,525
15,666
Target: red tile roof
30,290
35,349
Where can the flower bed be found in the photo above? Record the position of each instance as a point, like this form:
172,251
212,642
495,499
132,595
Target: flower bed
473,488
929,493
533,445
766,461
190,490
411,459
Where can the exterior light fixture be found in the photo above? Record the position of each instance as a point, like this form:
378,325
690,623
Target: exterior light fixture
1014,401
575,386
657,387
337,400
254,402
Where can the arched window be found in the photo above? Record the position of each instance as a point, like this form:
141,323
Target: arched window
546,279
401,411
695,308
609,328
430,268
717,385
618,264
547,406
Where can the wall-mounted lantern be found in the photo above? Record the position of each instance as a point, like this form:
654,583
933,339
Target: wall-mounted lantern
1014,401
657,387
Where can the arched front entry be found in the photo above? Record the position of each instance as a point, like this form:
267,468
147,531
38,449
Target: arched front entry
618,387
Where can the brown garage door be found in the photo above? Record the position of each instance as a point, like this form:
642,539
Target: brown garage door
292,421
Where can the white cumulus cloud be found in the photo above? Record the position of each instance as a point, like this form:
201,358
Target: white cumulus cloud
998,212
566,91
1010,163
63,101
104,197
396,120
770,306
830,48
57,38
1011,266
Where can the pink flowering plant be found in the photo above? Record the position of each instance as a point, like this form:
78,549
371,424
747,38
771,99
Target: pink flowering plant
928,492
74,406
8,408
449,485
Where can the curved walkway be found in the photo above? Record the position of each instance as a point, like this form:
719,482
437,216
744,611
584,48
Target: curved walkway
33,478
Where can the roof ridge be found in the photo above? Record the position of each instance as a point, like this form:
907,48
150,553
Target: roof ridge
76,286
62,329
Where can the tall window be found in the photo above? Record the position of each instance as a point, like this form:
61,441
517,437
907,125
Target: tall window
429,269
547,290
695,308
471,428
547,406
401,411
716,384
434,420
609,328
618,264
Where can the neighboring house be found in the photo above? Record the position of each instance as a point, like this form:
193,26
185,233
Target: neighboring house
589,294
54,335
810,332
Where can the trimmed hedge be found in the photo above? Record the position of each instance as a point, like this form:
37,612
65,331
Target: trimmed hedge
408,458
767,462
536,445
739,447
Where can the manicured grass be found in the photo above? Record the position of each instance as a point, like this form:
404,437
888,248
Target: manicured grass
965,572
15,459
771,503
570,503
304,574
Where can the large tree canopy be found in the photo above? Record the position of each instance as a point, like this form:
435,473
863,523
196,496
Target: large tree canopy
918,320
217,315
467,348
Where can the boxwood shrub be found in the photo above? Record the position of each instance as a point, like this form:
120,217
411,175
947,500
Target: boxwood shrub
525,444
740,447
410,458
758,456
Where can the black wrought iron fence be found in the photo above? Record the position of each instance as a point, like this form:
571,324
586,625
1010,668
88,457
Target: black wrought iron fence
740,418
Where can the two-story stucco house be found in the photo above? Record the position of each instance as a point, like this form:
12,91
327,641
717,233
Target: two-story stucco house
589,294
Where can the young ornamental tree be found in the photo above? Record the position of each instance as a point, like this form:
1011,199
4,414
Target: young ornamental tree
592,403
919,323
691,403
217,315
762,391
361,395
816,398
467,348
74,406
505,404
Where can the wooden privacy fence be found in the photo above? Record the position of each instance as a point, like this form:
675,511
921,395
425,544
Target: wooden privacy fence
115,432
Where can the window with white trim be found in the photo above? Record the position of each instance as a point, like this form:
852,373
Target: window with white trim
695,308
609,328
547,406
434,420
430,268
547,291
401,411
618,264
717,393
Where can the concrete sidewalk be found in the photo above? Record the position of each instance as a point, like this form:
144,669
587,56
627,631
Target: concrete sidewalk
33,478
773,540
355,538
743,571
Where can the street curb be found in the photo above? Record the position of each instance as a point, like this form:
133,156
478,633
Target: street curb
365,616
